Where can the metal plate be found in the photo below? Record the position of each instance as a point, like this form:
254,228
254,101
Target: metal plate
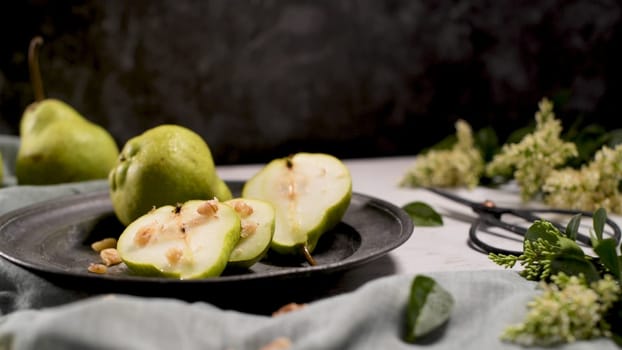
53,238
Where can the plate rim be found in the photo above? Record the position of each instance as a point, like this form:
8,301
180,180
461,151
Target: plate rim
399,215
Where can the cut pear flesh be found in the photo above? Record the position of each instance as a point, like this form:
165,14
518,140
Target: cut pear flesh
188,241
257,219
310,193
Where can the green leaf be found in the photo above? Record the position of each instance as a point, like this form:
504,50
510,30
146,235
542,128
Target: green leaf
573,265
606,250
614,137
429,307
543,229
517,135
600,217
423,214
588,139
487,142
446,143
572,229
568,246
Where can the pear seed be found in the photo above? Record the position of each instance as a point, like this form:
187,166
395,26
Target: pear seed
103,244
243,209
143,236
208,208
110,256
291,191
248,228
97,268
173,255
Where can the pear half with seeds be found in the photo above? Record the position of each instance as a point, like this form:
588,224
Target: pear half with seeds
310,193
188,241
257,219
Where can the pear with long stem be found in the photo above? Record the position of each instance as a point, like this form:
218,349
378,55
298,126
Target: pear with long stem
57,144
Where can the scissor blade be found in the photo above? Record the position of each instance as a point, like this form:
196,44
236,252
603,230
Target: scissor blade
455,198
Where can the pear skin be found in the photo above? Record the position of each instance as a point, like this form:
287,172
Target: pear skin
57,145
38,115
165,165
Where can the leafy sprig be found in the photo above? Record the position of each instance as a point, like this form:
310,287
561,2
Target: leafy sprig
568,309
536,259
581,296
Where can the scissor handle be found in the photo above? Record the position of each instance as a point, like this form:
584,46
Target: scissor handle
490,214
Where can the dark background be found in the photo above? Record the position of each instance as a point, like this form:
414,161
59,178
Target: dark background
261,79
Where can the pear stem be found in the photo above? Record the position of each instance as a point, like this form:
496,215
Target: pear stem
307,255
33,64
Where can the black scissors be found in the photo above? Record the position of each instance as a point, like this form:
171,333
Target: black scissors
489,215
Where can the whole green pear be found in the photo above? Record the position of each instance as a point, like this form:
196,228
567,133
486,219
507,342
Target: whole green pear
165,165
57,144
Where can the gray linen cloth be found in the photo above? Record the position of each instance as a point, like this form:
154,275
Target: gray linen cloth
36,314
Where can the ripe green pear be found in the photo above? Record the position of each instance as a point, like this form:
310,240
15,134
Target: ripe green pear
187,241
57,144
257,230
165,165
310,193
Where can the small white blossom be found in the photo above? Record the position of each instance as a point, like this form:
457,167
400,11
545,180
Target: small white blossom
532,159
462,165
592,186
567,310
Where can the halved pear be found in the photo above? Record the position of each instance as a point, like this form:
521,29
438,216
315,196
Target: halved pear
310,193
188,241
257,219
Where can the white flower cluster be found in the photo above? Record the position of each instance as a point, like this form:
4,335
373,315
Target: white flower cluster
567,310
592,186
532,159
462,165
536,163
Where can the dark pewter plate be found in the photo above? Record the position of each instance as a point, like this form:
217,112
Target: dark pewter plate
53,238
